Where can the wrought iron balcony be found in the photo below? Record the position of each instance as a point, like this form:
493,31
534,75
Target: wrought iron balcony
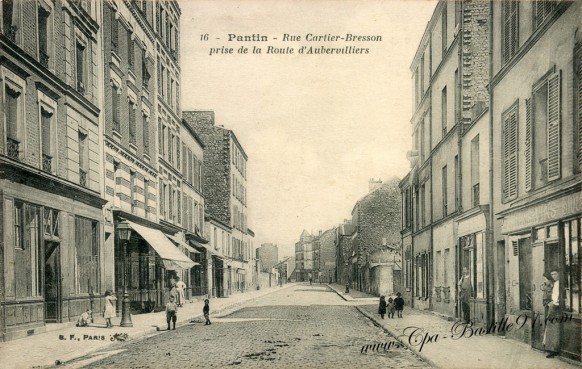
10,33
44,59
82,177
13,148
476,195
47,163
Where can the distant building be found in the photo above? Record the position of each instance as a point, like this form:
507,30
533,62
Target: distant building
304,257
286,268
345,256
376,218
225,183
269,255
325,256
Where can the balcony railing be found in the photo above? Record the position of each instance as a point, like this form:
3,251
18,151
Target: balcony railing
82,177
13,148
10,33
47,163
44,59
476,195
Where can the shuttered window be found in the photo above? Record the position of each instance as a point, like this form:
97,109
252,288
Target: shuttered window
554,127
542,11
528,145
510,153
510,29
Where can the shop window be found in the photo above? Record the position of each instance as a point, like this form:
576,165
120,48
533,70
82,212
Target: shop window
571,270
26,225
87,255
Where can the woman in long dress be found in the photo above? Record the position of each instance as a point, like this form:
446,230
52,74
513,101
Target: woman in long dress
552,332
109,308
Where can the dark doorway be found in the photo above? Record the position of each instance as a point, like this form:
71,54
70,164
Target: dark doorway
52,285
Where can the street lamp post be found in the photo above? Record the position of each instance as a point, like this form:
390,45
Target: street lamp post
124,234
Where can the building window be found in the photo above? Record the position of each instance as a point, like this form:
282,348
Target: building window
444,29
178,207
475,197
423,204
145,73
178,156
132,190
146,133
160,137
457,116
445,191
571,274
12,116
132,122
542,11
146,195
83,159
130,51
509,29
114,33
80,64
115,96
191,160
509,149
9,22
170,146
161,199
444,110
542,149
456,179
27,250
87,255
43,36
46,124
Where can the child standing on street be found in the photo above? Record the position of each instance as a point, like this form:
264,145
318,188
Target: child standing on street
382,306
109,307
171,312
206,311
390,308
399,304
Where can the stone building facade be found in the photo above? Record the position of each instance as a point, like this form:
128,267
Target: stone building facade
54,262
269,255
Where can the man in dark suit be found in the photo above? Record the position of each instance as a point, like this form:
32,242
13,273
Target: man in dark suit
465,290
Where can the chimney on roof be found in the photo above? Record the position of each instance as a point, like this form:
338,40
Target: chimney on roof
374,184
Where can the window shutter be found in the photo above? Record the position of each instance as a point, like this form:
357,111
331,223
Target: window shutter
528,144
515,247
510,155
554,127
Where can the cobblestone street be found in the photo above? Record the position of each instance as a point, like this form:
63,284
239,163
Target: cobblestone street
299,327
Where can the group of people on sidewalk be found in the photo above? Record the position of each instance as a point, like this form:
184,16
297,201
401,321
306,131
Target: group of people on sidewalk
393,305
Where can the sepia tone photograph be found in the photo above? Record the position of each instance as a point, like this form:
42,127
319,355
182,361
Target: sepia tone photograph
290,184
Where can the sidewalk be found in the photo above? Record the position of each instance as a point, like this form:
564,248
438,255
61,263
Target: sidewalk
72,342
488,351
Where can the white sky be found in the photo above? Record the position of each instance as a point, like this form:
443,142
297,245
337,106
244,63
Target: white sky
315,128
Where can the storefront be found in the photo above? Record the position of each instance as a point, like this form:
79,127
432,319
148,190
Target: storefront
150,261
539,238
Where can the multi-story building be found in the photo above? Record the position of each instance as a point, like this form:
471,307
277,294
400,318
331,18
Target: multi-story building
376,221
269,255
143,182
304,257
326,253
345,257
54,261
536,152
444,202
193,209
225,184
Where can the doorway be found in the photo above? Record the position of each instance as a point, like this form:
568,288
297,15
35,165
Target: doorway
52,282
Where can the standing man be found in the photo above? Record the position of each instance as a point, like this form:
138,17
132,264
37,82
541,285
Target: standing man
180,287
465,289
552,332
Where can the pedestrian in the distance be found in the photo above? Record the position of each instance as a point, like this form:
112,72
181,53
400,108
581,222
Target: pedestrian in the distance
382,306
180,287
171,312
399,304
109,308
206,311
390,308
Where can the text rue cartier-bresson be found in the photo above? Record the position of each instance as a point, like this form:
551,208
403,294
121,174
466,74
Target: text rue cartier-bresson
309,37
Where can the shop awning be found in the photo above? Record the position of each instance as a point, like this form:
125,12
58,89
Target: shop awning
183,244
171,256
